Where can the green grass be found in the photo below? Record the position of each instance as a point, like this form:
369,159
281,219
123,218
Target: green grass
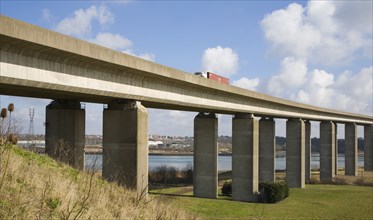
314,202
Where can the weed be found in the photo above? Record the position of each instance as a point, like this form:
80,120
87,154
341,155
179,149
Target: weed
52,203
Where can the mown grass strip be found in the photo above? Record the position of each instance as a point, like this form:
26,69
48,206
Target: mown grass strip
314,202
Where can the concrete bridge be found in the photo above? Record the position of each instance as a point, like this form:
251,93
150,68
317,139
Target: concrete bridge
36,62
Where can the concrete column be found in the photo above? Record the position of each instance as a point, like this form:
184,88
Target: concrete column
295,153
327,151
307,150
350,149
205,168
245,162
336,149
65,132
368,147
267,150
125,144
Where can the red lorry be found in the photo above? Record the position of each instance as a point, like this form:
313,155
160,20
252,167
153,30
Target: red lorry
213,76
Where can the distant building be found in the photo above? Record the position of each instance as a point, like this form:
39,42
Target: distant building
156,144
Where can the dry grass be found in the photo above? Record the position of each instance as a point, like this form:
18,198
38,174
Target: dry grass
36,187
364,178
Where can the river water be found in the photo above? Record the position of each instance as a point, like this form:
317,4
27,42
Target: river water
225,162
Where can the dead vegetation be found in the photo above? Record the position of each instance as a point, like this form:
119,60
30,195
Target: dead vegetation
37,187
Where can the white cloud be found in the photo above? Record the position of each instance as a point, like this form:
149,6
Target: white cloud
324,32
80,24
122,1
360,91
289,34
113,41
327,33
292,76
347,92
355,15
173,123
145,56
318,89
223,61
93,118
246,83
47,16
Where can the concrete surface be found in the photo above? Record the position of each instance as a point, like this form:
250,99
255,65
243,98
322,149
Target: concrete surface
267,150
295,153
125,144
336,149
350,149
245,156
368,147
307,150
65,132
69,68
327,151
205,168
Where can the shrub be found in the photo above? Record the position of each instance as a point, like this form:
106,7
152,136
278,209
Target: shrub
170,175
273,192
226,189
187,172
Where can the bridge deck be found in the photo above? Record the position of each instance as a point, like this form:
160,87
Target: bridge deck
36,62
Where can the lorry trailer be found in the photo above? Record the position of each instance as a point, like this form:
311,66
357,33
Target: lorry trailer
213,76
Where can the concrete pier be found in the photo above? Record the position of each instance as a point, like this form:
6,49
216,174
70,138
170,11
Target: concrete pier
327,151
336,149
205,169
267,150
65,132
125,144
245,176
350,149
307,150
295,153
368,147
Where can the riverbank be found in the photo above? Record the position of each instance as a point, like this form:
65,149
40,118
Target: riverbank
95,150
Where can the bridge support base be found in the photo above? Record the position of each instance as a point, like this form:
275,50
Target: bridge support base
295,153
368,147
267,150
327,151
205,169
350,149
245,158
65,132
125,145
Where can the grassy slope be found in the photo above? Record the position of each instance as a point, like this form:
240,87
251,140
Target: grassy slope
35,186
314,202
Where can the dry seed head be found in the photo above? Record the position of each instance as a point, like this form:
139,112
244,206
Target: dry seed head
10,138
14,140
3,112
11,107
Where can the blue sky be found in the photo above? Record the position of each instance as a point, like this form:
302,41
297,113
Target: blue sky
314,52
